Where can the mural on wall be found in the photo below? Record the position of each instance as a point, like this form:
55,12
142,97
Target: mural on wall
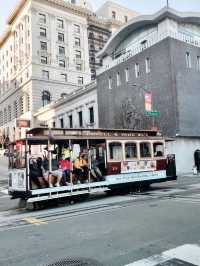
131,117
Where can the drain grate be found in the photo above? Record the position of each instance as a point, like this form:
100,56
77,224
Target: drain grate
75,262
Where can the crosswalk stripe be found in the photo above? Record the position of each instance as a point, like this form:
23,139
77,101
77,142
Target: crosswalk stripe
34,221
187,253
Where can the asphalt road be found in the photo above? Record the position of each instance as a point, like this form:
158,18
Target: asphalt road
112,230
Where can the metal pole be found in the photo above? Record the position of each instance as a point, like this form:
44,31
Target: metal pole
167,3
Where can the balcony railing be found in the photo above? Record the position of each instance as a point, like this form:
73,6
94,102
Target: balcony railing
136,49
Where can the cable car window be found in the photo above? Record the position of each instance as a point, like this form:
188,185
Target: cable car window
131,150
158,149
145,149
115,149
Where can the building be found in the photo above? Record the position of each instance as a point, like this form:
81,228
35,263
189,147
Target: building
114,11
78,110
157,54
44,55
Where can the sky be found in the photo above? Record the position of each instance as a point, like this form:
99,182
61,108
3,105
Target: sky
141,6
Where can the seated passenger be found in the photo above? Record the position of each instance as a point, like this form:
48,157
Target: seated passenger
55,177
36,174
80,166
95,171
65,166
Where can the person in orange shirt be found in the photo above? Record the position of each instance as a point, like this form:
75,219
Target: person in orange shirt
80,166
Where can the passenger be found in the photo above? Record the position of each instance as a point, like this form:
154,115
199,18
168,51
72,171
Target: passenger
84,166
95,171
66,153
55,177
42,172
79,168
65,166
34,173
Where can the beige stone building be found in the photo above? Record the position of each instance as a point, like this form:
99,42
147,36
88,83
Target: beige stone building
44,56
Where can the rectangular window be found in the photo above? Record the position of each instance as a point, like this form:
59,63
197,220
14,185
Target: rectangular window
54,124
77,28
61,37
78,67
61,50
113,14
127,74
78,54
91,114
110,83
80,80
61,122
137,70
188,60
60,23
45,74
80,118
42,18
43,59
148,65
70,121
62,63
43,32
125,19
77,42
118,79
43,46
64,77
198,63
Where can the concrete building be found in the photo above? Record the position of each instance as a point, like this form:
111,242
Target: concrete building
44,55
114,11
78,110
157,54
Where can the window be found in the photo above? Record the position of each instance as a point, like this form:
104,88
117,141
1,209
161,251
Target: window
45,74
61,123
148,65
64,77
77,28
80,118
9,113
5,116
21,104
61,50
42,18
80,80
110,83
1,118
131,150
78,67
78,54
46,98
43,59
77,42
91,115
188,60
15,109
43,32
145,150
61,37
70,121
113,14
118,79
125,19
198,63
127,74
62,63
60,23
158,149
43,46
115,149
137,70
54,124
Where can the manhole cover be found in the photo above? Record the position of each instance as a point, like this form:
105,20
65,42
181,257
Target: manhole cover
75,262
175,262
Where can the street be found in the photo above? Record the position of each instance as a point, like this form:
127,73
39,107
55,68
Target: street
116,230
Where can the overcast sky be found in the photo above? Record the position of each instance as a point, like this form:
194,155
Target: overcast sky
142,6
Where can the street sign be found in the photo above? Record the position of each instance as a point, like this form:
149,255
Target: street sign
152,113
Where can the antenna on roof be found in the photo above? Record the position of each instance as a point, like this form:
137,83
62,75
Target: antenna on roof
167,3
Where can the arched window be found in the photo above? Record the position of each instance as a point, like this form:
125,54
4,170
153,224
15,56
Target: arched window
46,98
